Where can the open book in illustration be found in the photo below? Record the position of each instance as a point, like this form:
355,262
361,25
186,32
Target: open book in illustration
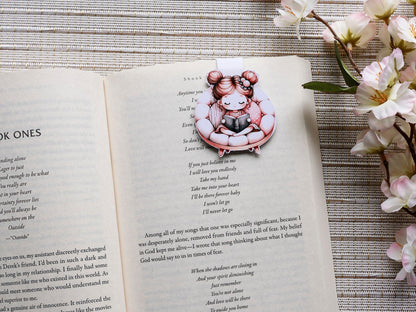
110,200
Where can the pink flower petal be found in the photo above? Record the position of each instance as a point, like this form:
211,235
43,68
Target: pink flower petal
328,36
371,73
408,258
389,73
411,234
397,54
395,252
401,275
385,188
386,109
403,28
380,9
284,19
359,149
411,201
357,22
296,6
367,35
401,237
366,96
403,187
392,204
310,4
411,278
406,98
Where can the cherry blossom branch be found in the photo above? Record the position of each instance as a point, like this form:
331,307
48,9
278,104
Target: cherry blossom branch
400,116
412,213
386,166
412,131
344,47
409,142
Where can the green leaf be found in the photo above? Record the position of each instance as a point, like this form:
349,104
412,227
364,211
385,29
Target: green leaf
329,87
348,77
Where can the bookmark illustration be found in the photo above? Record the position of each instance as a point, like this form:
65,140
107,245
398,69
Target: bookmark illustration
233,114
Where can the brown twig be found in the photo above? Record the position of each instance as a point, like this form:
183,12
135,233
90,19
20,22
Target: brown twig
409,142
344,47
412,213
386,166
400,116
392,42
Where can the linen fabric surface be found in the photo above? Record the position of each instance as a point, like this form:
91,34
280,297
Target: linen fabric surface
109,36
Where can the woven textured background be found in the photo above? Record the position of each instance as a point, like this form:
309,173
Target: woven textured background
108,36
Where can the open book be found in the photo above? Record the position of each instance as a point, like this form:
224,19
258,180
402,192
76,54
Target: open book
110,201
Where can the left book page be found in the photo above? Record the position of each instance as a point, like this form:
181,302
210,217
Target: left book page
59,248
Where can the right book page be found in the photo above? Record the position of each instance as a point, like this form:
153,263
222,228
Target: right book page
243,232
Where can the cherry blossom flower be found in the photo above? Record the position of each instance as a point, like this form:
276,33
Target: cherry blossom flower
402,194
385,103
380,75
373,142
404,251
294,12
380,9
381,93
405,29
355,30
391,40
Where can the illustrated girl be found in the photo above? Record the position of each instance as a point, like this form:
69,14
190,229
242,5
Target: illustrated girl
239,114
233,114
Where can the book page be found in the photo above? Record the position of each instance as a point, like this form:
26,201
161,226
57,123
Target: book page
59,246
243,232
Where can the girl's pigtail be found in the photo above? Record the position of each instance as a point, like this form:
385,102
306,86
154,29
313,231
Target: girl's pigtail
214,77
